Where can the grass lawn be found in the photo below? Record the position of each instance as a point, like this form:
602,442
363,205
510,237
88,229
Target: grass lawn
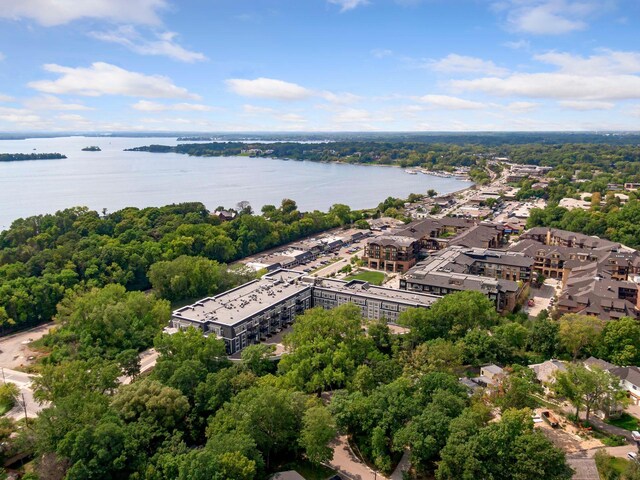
619,464
374,278
625,421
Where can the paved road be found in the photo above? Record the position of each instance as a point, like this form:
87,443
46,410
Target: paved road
14,348
345,462
620,452
585,468
403,466
23,382
148,360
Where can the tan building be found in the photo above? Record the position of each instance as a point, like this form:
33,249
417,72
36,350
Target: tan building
401,249
391,253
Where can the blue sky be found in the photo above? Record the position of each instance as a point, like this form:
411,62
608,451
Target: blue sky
319,65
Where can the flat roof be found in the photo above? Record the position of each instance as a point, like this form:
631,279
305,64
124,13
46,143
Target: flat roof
374,292
234,306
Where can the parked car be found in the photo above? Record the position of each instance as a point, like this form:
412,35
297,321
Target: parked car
550,419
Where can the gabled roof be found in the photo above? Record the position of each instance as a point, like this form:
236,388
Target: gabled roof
597,362
545,371
630,374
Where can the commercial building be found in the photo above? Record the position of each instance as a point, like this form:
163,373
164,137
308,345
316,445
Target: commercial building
253,311
518,173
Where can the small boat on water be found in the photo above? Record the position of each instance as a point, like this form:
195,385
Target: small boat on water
411,172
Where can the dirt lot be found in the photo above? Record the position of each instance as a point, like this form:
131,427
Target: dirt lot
566,437
14,349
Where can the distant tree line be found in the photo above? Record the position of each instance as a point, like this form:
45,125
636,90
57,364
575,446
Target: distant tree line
17,157
429,154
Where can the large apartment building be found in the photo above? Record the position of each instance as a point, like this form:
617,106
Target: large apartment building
253,311
400,250
599,277
391,253
501,276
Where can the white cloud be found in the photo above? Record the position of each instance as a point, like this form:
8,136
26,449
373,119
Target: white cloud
163,44
291,117
5,98
2,56
548,17
272,89
256,110
557,86
268,88
348,4
73,117
607,76
59,12
381,52
147,106
19,116
340,98
522,107
450,103
51,102
357,118
106,79
607,62
351,115
454,63
518,44
586,105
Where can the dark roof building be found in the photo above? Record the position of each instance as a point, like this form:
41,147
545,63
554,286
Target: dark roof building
498,274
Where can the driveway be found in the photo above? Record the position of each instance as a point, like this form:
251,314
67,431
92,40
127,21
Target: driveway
585,468
348,464
542,298
633,410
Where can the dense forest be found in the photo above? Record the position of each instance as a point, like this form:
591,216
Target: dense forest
198,415
44,257
17,157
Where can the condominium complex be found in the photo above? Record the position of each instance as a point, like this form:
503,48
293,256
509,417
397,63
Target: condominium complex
402,248
501,276
599,277
251,312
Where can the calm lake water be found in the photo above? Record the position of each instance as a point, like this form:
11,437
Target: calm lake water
115,179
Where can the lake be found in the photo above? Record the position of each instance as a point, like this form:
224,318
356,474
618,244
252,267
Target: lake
114,179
